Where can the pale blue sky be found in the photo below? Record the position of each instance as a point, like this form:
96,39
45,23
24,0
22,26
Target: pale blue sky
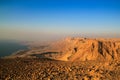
50,19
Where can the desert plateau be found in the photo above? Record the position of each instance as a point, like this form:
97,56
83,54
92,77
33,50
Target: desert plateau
67,59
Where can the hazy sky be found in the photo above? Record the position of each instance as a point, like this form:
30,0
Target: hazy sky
49,19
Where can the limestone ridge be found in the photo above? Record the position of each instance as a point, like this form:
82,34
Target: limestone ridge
82,49
77,49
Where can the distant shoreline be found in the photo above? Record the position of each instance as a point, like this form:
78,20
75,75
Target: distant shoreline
8,48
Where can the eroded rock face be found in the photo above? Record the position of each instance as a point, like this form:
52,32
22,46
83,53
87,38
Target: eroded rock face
78,49
82,49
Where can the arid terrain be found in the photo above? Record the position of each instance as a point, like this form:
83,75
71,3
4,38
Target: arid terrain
68,59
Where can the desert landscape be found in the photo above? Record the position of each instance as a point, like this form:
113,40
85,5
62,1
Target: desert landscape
67,59
59,39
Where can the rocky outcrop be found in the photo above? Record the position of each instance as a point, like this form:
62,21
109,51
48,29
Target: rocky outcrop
83,49
77,49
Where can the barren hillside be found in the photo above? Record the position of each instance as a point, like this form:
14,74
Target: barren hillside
76,49
90,49
68,59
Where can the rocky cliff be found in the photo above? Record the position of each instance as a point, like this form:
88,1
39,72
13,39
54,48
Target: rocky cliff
75,49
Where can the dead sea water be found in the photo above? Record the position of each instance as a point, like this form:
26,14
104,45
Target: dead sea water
9,47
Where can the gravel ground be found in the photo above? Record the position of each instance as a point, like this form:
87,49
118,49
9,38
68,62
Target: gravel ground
47,69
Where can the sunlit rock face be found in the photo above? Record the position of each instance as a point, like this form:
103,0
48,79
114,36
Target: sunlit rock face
76,49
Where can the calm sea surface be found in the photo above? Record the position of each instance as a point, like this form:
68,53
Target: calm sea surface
9,47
